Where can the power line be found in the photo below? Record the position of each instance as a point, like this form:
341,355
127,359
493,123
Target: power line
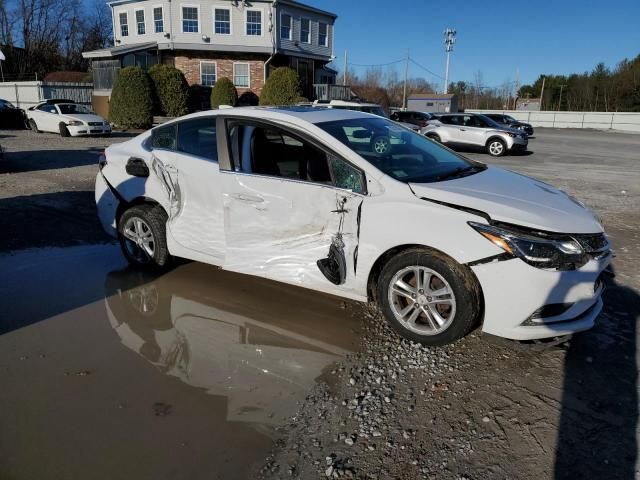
425,69
376,64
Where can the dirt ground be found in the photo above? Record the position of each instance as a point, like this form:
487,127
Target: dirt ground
108,373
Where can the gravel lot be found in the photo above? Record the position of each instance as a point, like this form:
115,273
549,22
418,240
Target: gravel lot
479,409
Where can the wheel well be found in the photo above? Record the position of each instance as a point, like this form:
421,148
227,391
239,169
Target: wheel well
124,206
379,264
495,137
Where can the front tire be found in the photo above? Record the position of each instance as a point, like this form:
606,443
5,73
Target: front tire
434,137
143,238
64,131
428,298
496,147
33,125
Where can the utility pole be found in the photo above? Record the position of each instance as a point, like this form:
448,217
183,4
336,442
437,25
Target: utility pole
449,41
346,66
560,101
544,79
406,77
515,97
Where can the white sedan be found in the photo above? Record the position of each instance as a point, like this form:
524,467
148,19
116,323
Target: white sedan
303,196
67,119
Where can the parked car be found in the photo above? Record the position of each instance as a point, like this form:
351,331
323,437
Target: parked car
300,195
509,121
67,119
471,129
10,116
419,119
372,108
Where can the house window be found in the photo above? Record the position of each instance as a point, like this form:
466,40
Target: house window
254,22
190,20
285,26
323,37
222,21
241,74
208,71
140,22
158,20
305,30
124,25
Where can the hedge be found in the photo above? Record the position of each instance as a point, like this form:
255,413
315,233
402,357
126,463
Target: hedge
224,93
281,88
132,99
171,89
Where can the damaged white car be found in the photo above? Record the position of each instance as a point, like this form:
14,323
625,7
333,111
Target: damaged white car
305,196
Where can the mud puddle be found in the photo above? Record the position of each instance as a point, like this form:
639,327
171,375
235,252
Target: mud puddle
112,373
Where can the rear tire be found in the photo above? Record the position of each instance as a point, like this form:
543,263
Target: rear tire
445,299
33,126
143,237
496,147
64,131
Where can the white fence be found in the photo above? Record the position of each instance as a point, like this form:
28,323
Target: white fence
27,94
628,122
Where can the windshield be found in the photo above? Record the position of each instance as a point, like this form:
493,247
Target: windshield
400,153
71,108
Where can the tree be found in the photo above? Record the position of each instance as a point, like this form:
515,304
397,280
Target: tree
171,90
224,93
281,88
132,99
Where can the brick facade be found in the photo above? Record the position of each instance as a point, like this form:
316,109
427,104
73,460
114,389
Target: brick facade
189,64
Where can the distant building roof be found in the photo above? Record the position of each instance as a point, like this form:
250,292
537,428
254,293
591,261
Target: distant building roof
431,96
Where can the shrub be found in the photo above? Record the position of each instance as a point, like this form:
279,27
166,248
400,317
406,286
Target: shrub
224,93
132,99
199,98
248,99
282,88
171,89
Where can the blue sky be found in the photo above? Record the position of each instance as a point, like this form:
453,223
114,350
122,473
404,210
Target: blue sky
495,36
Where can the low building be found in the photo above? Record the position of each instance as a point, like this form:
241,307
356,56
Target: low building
528,104
241,40
433,102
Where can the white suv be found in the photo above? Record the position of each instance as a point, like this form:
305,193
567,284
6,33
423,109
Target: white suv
469,129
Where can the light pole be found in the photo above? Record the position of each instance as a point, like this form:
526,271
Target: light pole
449,41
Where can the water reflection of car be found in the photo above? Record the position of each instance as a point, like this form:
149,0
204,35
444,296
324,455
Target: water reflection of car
10,116
245,343
419,119
372,108
67,119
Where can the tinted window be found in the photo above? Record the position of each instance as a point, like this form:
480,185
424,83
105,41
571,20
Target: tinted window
48,108
72,108
198,137
407,156
164,137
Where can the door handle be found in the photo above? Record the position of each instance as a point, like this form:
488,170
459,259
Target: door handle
248,198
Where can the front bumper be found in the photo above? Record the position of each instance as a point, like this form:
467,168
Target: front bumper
518,144
513,291
80,130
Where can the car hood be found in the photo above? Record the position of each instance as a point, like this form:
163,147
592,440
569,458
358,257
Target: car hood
84,117
513,198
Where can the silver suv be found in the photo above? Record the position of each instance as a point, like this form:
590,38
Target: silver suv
472,129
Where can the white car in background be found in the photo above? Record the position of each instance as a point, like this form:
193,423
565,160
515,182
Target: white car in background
303,196
372,108
66,118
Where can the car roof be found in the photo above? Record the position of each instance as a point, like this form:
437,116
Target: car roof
313,115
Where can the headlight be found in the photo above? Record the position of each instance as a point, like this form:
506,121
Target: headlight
75,123
561,253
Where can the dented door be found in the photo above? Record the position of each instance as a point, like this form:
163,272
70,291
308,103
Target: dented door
292,231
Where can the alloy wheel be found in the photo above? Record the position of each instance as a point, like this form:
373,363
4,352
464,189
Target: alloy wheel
422,300
496,148
139,239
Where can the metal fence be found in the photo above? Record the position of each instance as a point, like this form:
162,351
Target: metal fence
27,94
622,121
